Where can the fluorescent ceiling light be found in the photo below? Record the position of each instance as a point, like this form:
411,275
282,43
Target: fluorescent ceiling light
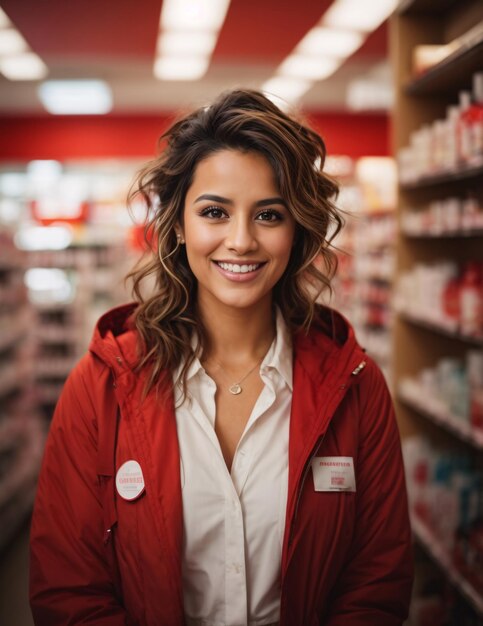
193,14
186,43
76,97
47,285
283,89
44,169
329,42
180,68
308,67
369,95
43,237
13,183
26,66
11,42
4,21
358,15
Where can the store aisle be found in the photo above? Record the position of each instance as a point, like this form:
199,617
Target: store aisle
14,607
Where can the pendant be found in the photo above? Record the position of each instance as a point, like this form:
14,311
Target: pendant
235,389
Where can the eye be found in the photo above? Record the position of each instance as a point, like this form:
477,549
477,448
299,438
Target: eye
269,215
213,212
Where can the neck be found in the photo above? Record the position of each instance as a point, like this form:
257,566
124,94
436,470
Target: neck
237,336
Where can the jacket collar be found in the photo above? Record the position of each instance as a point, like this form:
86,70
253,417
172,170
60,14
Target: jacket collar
325,356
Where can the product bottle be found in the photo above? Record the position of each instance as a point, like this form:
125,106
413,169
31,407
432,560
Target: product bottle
472,121
451,303
474,365
464,129
471,300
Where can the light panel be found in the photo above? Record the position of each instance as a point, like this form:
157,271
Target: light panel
180,67
186,43
17,61
76,97
358,15
4,21
207,15
369,95
11,42
43,237
308,67
284,89
328,42
188,34
24,66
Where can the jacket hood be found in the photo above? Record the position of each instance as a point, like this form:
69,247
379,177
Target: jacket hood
115,337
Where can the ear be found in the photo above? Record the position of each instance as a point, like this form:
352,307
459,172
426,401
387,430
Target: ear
179,233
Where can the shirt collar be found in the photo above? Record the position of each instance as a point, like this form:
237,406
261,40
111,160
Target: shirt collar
279,356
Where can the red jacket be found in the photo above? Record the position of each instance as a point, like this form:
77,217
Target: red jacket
100,560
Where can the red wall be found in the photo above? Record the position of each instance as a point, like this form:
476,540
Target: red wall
79,137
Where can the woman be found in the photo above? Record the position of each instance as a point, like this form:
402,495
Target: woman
226,453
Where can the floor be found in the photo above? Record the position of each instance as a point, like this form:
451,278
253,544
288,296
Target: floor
14,606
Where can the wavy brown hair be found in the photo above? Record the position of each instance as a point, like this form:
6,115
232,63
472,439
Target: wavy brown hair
243,120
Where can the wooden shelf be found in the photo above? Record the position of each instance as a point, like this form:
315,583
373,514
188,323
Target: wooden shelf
437,328
426,7
451,73
454,425
442,178
460,234
443,560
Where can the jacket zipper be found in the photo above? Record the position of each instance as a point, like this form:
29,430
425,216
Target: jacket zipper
315,449
305,471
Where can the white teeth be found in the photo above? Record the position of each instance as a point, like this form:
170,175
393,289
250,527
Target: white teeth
239,269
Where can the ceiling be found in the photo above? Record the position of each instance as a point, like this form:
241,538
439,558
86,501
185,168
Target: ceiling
115,40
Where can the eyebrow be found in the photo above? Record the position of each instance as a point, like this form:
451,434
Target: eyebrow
260,203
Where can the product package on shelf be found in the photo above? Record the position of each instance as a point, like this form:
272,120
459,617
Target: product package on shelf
444,294
449,216
446,503
447,145
451,393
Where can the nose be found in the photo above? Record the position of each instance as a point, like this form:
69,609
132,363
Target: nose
240,237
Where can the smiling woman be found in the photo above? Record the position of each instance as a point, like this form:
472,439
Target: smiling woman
226,453
238,239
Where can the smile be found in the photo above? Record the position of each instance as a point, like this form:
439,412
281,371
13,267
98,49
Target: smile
235,268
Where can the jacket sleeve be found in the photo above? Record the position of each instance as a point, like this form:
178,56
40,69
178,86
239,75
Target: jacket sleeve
374,588
70,580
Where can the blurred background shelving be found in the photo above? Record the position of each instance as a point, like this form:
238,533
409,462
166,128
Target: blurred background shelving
438,327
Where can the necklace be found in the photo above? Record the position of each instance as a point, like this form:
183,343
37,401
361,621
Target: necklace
236,388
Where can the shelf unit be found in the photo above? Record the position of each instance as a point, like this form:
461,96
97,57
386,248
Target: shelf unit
420,343
436,550
365,247
21,429
412,395
63,328
439,329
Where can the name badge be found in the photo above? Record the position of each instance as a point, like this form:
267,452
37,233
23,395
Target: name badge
334,473
130,480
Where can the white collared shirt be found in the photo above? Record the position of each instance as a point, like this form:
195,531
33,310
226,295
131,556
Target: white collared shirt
234,522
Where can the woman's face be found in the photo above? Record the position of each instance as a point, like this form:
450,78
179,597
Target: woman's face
237,229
